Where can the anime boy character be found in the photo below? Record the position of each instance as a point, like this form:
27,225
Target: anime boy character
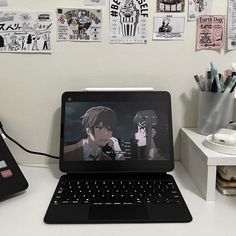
73,23
35,41
98,123
46,42
165,28
199,5
145,123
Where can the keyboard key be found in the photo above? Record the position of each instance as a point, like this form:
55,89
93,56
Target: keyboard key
117,192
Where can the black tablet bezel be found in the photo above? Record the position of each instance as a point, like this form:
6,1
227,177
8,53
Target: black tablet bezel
117,166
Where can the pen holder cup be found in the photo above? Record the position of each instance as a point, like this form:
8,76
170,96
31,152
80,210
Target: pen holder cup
215,111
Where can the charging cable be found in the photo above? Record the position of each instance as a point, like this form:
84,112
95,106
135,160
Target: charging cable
25,149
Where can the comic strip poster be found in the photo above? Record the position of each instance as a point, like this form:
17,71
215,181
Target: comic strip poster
25,32
232,25
170,5
79,24
128,21
94,2
198,8
168,28
210,32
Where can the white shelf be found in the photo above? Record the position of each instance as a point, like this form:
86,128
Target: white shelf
211,157
201,162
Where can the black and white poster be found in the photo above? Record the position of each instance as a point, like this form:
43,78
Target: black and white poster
79,24
170,5
25,32
128,21
198,8
3,3
94,2
168,28
231,25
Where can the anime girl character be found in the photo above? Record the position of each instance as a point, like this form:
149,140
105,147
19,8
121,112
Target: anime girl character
98,123
14,44
36,37
145,123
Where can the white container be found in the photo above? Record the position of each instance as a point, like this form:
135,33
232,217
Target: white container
215,111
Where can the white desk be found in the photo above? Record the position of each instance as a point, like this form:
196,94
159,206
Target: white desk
201,162
23,214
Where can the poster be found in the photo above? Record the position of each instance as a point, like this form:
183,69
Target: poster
128,21
170,5
210,32
3,3
198,8
79,24
94,2
232,25
25,32
168,28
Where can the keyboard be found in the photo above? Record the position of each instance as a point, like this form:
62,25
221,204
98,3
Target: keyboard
116,192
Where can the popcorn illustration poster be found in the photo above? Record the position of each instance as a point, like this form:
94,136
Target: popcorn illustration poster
25,32
79,24
128,21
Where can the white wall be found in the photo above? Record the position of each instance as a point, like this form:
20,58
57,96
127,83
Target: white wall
31,85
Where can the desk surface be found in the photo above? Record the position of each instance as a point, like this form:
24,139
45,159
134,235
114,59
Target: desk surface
23,214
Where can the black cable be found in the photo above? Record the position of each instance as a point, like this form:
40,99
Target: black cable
25,149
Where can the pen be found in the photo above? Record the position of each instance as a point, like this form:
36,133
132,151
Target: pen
203,83
233,74
213,86
216,76
221,82
230,85
198,82
208,75
227,80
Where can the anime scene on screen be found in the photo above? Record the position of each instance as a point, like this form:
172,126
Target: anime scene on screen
115,131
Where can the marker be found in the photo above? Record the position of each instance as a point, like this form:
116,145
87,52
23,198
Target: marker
203,83
198,82
221,82
208,75
213,86
227,80
233,73
216,76
230,85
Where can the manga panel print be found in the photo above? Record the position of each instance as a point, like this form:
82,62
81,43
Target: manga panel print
25,32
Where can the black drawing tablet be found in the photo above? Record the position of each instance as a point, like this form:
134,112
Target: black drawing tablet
11,178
